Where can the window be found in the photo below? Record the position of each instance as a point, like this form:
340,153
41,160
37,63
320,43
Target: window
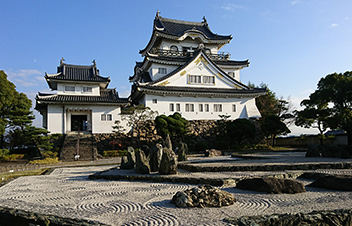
206,107
209,79
155,101
201,107
234,107
106,117
178,107
162,70
70,88
217,107
190,107
87,89
194,79
171,107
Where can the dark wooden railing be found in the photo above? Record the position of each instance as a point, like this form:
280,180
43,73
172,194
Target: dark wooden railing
173,53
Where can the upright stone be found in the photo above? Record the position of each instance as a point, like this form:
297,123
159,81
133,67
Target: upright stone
182,152
168,163
127,162
146,150
142,163
167,142
155,157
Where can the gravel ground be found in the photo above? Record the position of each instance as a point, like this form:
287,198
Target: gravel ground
68,192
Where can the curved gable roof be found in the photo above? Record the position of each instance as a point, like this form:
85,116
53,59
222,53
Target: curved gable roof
177,28
196,54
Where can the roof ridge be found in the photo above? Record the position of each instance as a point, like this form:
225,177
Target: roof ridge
181,21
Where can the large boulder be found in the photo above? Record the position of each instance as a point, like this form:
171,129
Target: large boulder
168,164
336,182
203,196
182,152
271,185
155,157
142,163
212,153
127,162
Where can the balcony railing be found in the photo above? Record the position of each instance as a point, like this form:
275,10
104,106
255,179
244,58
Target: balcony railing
188,53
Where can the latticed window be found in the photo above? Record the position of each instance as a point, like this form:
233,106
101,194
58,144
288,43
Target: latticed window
109,117
218,107
70,88
195,79
208,79
87,89
234,107
103,117
162,70
189,107
178,107
201,107
171,106
206,107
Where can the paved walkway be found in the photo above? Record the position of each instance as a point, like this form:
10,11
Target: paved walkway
67,192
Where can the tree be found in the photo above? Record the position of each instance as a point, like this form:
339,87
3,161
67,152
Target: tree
276,113
140,119
174,125
335,91
273,126
241,130
14,108
314,115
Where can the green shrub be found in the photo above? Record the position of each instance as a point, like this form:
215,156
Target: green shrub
114,153
45,161
4,152
200,147
13,157
49,154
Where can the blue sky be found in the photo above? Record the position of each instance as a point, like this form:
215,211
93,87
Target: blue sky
291,44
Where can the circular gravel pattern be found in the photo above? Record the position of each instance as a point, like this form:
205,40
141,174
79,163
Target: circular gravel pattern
68,192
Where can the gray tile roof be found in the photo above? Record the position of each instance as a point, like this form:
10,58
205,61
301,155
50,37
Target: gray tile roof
77,73
106,96
203,89
178,28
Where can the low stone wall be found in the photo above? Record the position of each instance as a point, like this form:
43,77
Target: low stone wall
10,217
332,217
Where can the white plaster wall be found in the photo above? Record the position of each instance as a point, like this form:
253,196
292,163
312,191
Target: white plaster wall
99,126
55,120
153,70
245,107
199,68
79,89
236,72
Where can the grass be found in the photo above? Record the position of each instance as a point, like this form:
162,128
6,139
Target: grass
6,176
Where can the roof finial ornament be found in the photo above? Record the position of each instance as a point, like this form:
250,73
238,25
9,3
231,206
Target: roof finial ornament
94,63
157,14
62,61
204,20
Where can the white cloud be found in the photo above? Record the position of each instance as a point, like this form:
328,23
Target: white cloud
25,77
231,7
334,25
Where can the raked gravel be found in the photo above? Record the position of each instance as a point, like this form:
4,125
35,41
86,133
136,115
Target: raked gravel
67,192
